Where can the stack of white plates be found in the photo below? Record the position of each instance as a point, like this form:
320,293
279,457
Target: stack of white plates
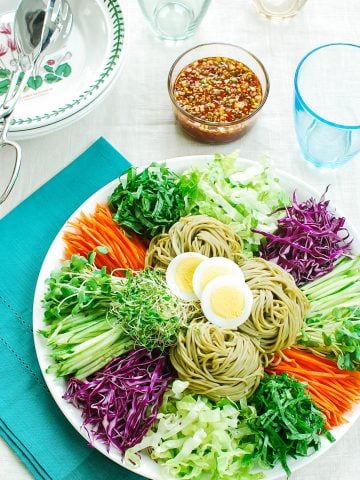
69,83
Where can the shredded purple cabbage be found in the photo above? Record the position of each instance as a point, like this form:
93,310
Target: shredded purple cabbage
308,240
121,401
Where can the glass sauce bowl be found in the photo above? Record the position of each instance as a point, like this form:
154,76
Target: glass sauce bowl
216,131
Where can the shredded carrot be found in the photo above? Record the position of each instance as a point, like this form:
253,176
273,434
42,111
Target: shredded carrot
85,233
333,390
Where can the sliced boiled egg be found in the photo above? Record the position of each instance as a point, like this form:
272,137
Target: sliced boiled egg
180,272
212,268
227,301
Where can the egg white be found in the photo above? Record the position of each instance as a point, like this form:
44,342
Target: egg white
171,275
229,267
231,281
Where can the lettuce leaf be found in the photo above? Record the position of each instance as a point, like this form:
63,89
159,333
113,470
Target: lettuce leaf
238,195
197,439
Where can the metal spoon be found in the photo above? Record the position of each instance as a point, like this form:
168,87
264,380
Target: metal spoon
31,33
62,25
35,29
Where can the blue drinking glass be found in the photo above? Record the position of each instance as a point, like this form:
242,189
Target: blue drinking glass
327,104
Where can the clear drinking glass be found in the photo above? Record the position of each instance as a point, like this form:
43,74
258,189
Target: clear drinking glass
327,104
174,19
279,9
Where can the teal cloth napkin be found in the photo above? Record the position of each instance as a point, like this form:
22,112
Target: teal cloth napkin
30,421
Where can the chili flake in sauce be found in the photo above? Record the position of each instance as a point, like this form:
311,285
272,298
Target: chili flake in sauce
218,89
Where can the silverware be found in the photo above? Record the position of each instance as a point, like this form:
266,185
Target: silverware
37,27
31,32
62,25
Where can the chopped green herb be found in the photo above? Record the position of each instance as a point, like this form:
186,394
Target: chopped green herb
288,421
147,201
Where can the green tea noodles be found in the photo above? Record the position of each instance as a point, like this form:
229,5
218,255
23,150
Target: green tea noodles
217,362
195,233
279,306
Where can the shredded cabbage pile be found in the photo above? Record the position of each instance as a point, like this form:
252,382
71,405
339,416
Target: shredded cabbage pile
120,402
197,439
308,240
240,196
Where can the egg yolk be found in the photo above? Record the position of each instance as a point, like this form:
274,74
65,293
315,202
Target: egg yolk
227,302
213,272
185,272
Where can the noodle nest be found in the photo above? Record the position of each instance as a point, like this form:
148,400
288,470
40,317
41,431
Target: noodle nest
217,362
194,233
279,306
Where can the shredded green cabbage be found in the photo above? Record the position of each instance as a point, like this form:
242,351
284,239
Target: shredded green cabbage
238,195
197,439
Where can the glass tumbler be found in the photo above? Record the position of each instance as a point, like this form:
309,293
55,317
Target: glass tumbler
327,104
279,9
174,19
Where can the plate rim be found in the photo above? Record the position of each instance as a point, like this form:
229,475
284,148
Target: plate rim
52,382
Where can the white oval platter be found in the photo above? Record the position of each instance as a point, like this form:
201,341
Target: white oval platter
149,468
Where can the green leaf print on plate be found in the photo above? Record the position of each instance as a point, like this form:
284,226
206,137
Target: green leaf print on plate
35,82
4,73
51,78
4,85
63,70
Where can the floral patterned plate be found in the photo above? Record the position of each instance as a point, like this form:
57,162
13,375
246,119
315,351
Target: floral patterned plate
68,83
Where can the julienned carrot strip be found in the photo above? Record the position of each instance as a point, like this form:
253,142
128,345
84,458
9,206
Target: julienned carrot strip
129,245
313,359
330,409
333,390
115,257
323,375
88,231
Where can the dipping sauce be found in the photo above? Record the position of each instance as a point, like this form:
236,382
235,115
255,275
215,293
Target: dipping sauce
218,89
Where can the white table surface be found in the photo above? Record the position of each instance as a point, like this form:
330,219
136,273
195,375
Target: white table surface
136,118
